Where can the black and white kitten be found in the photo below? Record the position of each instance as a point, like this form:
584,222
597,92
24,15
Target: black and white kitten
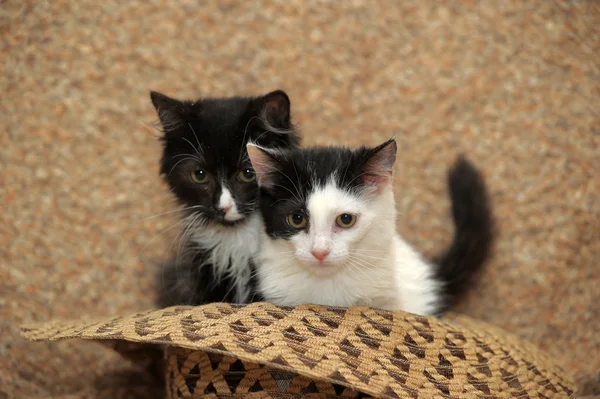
207,167
330,232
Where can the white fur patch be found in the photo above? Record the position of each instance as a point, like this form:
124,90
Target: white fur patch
368,264
227,203
324,205
231,249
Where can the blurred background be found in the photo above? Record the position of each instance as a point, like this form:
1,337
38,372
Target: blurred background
515,85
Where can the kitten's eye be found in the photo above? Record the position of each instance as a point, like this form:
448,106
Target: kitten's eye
247,175
345,220
297,220
199,176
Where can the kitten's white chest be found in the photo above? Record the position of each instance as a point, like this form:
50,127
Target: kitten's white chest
230,251
399,280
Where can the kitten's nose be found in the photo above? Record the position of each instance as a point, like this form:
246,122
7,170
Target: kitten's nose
226,208
320,255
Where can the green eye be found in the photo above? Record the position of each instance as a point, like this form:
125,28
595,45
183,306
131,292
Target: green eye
345,220
247,175
199,176
297,220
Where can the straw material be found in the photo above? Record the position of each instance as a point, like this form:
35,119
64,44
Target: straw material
262,350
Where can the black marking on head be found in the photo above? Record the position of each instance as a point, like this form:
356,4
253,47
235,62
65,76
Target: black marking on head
288,177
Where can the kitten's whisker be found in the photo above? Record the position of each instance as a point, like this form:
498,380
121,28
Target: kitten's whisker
197,141
228,291
242,152
371,258
289,191
177,163
293,184
376,283
299,184
182,232
360,268
355,177
195,149
171,211
169,194
189,155
362,262
287,252
187,230
366,262
183,238
372,272
159,234
280,199
370,249
262,134
360,256
346,168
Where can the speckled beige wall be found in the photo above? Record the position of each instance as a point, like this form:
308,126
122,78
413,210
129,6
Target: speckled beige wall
514,84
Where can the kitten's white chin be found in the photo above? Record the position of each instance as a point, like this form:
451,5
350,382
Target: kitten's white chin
322,269
233,217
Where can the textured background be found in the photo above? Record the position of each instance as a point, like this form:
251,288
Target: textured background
515,85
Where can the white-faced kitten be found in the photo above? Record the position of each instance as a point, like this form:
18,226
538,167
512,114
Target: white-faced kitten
330,232
207,168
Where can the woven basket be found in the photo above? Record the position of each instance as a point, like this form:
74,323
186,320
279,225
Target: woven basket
263,350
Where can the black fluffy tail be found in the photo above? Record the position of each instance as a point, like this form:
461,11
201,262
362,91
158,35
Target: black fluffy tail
474,231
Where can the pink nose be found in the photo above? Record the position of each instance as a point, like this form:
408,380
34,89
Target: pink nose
320,255
226,209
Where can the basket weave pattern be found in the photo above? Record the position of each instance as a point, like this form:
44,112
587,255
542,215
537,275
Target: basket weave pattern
200,374
263,350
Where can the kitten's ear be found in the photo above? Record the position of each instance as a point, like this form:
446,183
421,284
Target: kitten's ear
264,164
168,109
377,170
275,111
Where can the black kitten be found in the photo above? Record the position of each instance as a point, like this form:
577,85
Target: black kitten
207,167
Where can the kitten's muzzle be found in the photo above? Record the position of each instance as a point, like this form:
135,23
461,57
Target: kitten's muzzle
220,216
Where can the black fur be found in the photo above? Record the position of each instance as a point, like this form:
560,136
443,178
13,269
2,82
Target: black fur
211,135
474,230
182,282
